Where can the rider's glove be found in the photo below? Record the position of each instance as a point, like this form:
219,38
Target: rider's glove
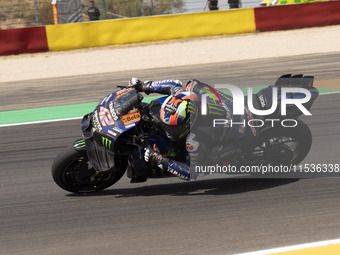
153,156
137,84
146,87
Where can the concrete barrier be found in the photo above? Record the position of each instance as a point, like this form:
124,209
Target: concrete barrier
149,29
167,27
23,40
285,17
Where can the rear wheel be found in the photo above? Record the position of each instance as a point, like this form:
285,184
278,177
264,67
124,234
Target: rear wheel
72,172
286,146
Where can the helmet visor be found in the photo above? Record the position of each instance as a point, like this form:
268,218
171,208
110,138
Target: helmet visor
176,132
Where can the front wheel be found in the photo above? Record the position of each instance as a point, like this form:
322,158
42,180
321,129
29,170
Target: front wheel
72,172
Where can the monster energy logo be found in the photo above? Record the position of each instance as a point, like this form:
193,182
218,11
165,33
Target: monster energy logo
106,142
191,108
80,144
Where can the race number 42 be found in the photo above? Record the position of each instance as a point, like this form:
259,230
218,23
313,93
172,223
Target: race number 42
105,117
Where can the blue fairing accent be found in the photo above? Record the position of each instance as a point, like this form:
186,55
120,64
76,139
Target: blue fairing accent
162,99
180,170
120,126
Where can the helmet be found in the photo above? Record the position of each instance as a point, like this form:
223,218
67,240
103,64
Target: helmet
175,113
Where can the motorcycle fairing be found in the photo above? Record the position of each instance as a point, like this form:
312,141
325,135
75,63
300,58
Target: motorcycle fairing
99,156
115,115
111,118
79,145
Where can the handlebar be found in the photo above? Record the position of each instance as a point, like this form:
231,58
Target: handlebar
122,87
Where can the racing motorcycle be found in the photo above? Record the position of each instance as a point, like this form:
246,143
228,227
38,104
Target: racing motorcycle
115,134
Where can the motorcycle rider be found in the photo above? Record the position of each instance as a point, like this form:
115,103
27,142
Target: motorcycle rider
182,122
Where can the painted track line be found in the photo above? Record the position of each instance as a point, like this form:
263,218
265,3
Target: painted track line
329,93
293,248
39,122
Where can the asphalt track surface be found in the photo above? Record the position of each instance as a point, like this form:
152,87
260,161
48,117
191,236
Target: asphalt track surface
214,215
